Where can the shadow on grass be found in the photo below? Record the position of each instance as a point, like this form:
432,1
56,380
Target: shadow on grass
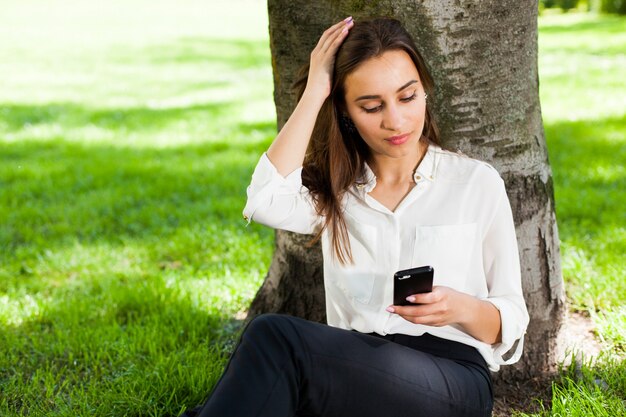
70,116
55,194
610,25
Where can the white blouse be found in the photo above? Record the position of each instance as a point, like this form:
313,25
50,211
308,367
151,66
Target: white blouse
456,219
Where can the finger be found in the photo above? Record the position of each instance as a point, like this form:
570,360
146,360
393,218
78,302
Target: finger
333,44
431,320
337,31
412,311
422,314
330,31
422,298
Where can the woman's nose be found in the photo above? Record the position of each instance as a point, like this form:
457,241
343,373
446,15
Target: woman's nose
392,119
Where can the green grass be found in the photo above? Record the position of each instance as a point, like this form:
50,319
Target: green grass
581,66
124,157
587,388
126,142
594,389
583,96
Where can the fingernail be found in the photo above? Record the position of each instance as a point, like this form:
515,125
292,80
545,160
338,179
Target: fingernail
410,299
348,19
390,309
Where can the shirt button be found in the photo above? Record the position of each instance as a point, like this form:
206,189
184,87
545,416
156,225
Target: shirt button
417,177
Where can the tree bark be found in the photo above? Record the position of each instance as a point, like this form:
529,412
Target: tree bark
483,57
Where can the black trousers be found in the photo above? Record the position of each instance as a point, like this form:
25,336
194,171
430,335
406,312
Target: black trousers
286,366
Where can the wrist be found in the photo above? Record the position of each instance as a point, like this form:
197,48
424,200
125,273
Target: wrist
314,95
466,309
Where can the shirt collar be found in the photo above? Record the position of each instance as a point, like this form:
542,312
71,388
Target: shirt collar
428,167
366,182
426,170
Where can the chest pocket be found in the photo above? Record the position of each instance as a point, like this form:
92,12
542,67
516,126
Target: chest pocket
357,280
448,249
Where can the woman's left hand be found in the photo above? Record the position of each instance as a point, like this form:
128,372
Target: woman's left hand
444,306
440,307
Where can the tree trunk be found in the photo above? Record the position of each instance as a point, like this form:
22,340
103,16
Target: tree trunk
483,57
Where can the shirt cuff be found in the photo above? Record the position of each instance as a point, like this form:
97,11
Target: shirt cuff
513,328
267,182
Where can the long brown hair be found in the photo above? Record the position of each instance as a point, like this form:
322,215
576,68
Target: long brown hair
335,156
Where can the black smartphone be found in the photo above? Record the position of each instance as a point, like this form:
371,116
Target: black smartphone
411,281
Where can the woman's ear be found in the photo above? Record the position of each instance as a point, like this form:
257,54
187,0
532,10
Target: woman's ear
347,125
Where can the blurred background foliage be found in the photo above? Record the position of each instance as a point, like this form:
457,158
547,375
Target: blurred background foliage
598,6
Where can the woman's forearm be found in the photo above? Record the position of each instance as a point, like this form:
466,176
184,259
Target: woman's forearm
481,319
288,149
444,306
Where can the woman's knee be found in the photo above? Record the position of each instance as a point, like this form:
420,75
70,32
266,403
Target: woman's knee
280,328
265,324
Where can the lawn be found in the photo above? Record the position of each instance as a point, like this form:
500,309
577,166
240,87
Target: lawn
128,133
582,61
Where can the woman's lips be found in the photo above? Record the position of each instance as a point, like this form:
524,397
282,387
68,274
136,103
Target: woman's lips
398,140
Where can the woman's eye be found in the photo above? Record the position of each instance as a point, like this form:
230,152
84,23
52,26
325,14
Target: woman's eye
410,98
372,109
378,108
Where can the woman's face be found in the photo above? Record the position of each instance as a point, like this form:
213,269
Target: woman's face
385,99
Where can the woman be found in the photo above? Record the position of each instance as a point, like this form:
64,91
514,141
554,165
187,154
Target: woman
359,166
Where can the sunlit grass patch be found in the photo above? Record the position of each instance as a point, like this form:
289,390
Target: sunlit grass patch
611,325
588,387
583,55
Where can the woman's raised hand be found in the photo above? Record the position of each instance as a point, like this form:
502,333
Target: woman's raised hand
289,148
323,58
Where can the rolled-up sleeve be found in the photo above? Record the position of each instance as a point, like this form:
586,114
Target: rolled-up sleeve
280,202
502,267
